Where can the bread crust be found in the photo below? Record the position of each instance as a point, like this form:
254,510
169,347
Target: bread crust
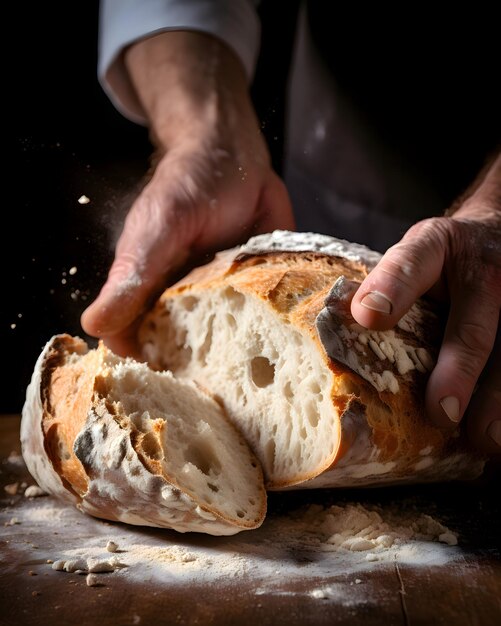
307,281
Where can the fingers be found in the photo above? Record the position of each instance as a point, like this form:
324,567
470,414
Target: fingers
407,270
484,411
126,343
120,301
464,252
468,341
146,251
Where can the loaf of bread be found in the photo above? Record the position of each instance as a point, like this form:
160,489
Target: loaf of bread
123,442
322,401
301,396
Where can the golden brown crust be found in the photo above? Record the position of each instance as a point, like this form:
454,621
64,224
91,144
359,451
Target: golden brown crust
67,390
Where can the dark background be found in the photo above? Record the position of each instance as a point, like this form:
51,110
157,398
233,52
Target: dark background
63,138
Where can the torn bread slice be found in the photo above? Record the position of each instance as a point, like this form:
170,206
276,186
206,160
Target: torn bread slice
125,443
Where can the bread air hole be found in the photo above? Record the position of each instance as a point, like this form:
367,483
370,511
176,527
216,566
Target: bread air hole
231,321
262,371
314,387
235,299
206,346
269,453
312,413
288,393
189,303
201,455
151,447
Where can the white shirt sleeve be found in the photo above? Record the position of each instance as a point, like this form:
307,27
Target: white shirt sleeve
122,22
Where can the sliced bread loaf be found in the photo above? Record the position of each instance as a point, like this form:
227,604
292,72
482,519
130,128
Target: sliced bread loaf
322,401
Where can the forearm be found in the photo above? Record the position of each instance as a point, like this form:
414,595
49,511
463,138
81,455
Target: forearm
189,84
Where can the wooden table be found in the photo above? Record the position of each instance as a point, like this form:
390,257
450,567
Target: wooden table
269,586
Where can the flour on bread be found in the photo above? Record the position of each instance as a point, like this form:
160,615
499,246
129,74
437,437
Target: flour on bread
289,241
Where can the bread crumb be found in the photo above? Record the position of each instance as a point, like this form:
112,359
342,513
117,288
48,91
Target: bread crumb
15,458
11,489
99,566
449,538
73,564
12,522
34,491
357,581
83,200
32,573
72,271
92,580
111,546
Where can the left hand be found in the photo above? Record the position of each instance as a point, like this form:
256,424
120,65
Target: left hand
458,258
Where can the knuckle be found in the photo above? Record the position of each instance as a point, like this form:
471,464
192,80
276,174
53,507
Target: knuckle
400,267
467,368
432,232
475,343
404,260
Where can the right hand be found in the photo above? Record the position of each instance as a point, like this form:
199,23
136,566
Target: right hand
212,188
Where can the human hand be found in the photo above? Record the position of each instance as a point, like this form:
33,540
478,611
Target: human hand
212,188
457,259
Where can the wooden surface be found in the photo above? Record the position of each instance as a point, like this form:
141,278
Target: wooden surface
272,586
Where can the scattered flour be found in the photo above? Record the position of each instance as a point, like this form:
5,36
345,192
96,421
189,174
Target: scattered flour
313,543
358,529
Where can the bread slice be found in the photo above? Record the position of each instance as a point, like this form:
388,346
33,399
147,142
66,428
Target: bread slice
322,401
125,443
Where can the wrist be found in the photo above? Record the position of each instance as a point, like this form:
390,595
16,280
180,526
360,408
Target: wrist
484,200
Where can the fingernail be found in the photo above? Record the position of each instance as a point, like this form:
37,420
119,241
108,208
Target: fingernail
494,431
375,301
450,405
